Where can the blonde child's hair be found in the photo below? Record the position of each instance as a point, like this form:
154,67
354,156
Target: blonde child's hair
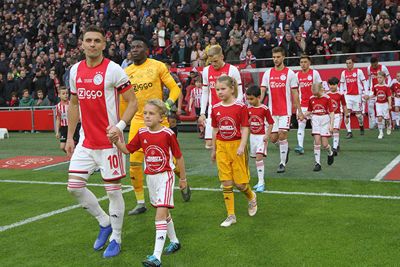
231,82
381,73
317,87
159,104
214,51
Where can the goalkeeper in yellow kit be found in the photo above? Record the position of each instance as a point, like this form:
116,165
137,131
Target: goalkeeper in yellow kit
147,77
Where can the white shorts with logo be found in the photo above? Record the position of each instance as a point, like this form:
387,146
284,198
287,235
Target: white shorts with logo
209,129
161,189
397,101
281,123
382,110
337,122
353,102
304,110
320,125
85,161
257,145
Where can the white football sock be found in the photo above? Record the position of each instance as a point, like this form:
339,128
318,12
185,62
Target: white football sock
317,154
283,147
329,150
300,132
360,119
260,171
88,201
335,140
171,230
380,126
161,234
348,126
116,210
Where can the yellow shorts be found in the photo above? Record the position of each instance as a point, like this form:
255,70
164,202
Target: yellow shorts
138,156
230,165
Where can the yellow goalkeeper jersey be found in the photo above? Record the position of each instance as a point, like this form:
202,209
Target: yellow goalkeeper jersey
147,80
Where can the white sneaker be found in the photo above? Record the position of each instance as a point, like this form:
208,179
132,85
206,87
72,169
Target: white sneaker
253,206
380,136
388,131
231,219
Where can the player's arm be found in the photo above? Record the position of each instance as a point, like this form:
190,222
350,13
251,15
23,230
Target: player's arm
342,83
204,97
243,141
263,89
365,92
296,102
268,134
121,146
73,119
191,102
168,80
386,71
332,119
132,105
181,165
236,75
214,144
58,122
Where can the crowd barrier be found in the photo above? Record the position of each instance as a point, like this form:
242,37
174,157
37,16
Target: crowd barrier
28,118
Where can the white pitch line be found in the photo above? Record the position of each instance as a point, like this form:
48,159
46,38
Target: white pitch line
387,169
51,165
45,215
219,190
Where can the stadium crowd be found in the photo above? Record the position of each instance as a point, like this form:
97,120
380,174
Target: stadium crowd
40,40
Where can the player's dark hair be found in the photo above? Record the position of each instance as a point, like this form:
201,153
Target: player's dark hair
373,60
278,50
253,90
350,58
142,39
333,81
94,28
305,56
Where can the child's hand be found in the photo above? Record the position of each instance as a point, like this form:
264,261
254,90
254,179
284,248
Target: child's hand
112,134
366,97
266,138
190,109
240,151
346,120
58,135
331,129
213,156
182,184
390,107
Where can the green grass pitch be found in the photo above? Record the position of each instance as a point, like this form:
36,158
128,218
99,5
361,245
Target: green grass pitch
288,230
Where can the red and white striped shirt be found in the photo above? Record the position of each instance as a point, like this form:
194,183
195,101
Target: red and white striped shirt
210,76
158,147
196,95
98,90
395,88
62,113
373,74
352,82
306,81
279,85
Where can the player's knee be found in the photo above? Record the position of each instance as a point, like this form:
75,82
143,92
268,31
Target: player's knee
241,187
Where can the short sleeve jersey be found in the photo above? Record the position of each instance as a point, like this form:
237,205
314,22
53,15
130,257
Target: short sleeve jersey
338,101
279,85
382,92
257,118
373,74
210,76
306,81
395,88
147,80
320,105
229,120
159,148
98,90
62,113
195,93
352,82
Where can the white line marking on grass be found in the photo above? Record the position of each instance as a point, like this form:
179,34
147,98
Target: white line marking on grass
57,183
51,165
45,215
387,169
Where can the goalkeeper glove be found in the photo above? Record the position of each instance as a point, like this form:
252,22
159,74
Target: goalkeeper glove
169,103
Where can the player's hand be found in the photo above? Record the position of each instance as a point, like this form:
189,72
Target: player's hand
190,109
182,184
331,129
213,155
169,103
70,147
390,107
179,112
113,133
266,138
58,135
346,120
300,116
365,97
240,151
202,119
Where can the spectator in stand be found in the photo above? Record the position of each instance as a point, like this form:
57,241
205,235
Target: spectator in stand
181,54
281,22
39,81
24,82
213,41
14,101
301,44
257,49
387,42
290,48
341,40
356,12
51,88
26,100
127,61
363,44
232,52
10,86
2,92
307,21
197,56
3,64
41,99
